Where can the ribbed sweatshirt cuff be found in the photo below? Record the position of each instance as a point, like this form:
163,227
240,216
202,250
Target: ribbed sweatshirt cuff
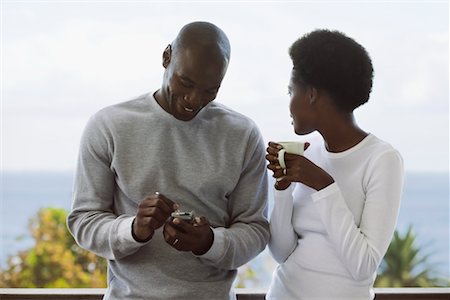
326,192
125,241
284,194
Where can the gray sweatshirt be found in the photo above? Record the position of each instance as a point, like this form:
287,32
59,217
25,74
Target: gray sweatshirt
213,164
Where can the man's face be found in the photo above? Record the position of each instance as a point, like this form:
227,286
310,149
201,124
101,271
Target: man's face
191,81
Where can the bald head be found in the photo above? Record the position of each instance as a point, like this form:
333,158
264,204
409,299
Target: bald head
202,37
195,65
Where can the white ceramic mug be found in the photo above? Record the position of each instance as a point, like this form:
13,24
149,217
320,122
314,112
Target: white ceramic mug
289,147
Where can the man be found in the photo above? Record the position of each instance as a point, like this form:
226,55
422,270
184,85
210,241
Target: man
144,159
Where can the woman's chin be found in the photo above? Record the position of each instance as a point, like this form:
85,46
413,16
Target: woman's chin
299,131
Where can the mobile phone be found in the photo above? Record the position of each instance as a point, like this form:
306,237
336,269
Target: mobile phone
184,215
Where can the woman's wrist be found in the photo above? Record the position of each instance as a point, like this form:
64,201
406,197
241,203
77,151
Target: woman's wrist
324,182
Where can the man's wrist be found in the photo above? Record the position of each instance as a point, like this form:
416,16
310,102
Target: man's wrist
138,239
207,245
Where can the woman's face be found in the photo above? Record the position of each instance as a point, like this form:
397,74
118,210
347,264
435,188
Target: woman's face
302,108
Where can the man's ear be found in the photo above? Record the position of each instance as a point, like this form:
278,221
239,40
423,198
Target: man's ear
167,54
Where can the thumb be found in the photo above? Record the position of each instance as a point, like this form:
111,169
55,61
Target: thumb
200,221
169,202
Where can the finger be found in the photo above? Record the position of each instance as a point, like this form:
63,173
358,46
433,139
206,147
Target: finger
158,201
287,179
272,158
201,221
172,205
282,184
277,171
160,198
274,167
169,231
155,208
290,156
154,212
149,222
181,225
282,180
273,151
171,234
275,145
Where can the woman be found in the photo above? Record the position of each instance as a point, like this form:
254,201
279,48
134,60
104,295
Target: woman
335,207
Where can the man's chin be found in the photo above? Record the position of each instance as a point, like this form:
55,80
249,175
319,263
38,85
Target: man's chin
185,117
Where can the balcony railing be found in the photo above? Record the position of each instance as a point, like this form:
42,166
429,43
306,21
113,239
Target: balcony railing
242,294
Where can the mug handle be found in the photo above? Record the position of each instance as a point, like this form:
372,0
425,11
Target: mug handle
281,158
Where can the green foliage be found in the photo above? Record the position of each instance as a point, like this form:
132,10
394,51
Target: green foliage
55,261
246,274
405,265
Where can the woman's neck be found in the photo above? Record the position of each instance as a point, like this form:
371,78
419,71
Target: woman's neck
340,132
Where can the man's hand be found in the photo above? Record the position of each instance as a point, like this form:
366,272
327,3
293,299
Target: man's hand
183,236
152,213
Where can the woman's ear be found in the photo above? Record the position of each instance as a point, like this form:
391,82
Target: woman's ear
313,95
167,54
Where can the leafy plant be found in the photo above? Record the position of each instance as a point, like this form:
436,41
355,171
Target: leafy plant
55,261
405,265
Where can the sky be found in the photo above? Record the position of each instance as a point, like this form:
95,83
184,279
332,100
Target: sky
61,61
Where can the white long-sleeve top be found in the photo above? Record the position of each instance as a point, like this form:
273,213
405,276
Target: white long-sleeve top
329,243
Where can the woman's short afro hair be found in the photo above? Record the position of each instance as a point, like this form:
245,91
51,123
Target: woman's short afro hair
331,61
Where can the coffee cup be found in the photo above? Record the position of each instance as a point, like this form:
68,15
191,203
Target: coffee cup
289,147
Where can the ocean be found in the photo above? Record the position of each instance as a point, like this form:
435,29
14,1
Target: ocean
425,206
